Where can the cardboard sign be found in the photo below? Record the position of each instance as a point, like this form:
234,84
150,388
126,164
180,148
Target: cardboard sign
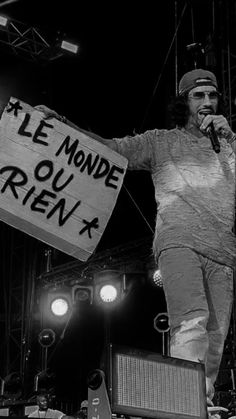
56,183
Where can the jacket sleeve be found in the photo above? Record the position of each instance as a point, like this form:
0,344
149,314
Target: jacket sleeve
139,149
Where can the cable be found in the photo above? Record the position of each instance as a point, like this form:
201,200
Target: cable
229,62
192,24
176,50
163,66
149,105
137,207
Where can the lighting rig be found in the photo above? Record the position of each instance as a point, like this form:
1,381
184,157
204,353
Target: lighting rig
32,43
105,280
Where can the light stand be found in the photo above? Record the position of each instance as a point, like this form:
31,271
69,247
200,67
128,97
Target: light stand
161,324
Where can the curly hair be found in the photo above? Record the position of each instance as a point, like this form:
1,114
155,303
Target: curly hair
179,110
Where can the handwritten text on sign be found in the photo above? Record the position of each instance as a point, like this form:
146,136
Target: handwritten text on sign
56,183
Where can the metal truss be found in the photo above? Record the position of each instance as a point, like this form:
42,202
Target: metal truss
28,42
129,258
17,282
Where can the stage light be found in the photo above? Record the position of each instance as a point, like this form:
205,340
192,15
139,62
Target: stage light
68,46
157,278
82,293
161,322
109,287
60,306
108,293
56,305
3,21
46,338
154,275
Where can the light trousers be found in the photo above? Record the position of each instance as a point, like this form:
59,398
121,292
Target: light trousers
199,296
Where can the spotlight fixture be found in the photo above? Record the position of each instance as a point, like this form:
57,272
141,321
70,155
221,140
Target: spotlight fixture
3,21
56,304
46,338
59,306
109,287
108,293
68,46
154,276
82,293
161,323
157,278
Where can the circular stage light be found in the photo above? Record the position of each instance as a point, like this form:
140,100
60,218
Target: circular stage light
46,337
157,278
59,306
161,323
108,293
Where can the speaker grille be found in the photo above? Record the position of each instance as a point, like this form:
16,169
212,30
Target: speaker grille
154,384
150,385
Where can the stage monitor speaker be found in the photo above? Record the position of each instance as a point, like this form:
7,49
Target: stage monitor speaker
142,383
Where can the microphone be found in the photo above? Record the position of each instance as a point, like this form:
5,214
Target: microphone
213,137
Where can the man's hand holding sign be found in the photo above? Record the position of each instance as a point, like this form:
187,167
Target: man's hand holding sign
56,183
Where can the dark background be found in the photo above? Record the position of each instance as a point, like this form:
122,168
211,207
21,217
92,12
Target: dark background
120,82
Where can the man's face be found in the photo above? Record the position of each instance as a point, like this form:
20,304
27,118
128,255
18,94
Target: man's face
202,101
42,402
